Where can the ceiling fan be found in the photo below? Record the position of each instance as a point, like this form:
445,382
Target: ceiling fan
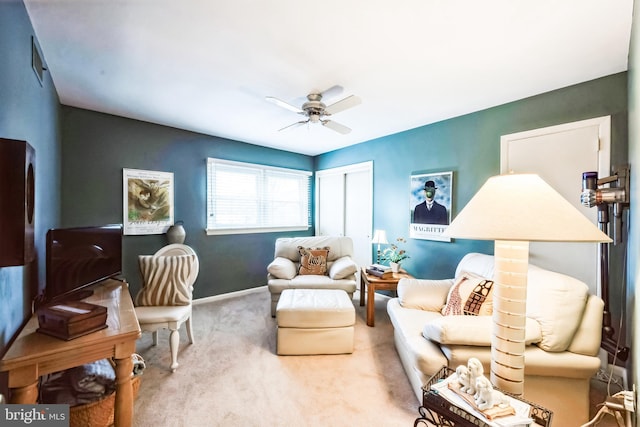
316,111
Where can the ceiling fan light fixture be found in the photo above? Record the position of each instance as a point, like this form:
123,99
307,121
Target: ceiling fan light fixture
317,112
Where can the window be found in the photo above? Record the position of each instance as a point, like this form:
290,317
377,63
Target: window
249,198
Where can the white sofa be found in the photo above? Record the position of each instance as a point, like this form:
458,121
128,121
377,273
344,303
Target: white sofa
283,271
563,335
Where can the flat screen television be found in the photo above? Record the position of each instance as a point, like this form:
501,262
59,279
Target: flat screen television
79,257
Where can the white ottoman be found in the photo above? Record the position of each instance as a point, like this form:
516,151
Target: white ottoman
314,321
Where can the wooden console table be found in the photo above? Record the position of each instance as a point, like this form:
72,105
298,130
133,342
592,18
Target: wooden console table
33,354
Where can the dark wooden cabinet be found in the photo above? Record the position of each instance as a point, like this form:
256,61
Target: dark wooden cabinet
17,200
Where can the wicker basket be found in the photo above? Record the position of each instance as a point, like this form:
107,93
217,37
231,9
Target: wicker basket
100,412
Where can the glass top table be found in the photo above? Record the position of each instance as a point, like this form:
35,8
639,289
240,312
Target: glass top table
440,412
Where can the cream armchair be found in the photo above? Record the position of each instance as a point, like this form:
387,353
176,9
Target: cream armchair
284,271
563,333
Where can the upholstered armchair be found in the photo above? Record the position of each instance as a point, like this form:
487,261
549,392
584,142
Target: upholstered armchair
164,302
315,262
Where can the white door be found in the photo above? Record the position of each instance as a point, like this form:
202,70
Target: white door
330,202
560,154
358,214
344,203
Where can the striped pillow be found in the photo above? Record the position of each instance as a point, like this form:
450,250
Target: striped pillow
165,280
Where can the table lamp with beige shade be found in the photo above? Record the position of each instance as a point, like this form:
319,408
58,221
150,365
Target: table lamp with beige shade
513,210
379,238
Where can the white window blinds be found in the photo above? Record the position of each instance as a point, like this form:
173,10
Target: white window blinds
250,198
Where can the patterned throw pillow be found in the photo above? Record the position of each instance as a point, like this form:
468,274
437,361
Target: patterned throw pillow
313,260
470,295
165,280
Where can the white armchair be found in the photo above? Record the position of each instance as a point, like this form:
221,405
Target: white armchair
165,299
284,271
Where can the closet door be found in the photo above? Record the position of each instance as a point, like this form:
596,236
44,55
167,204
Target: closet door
344,206
330,205
560,154
358,215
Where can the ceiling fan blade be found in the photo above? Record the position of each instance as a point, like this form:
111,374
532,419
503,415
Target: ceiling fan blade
343,104
283,104
332,91
294,125
336,126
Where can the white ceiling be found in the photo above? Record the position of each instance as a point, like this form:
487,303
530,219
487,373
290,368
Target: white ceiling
207,65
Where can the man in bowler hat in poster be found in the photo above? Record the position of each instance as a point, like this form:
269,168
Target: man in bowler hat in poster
430,211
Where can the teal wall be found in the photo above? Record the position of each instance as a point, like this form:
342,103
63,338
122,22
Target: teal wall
470,147
98,146
28,112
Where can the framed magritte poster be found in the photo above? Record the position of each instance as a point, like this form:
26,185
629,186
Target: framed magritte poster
148,201
430,208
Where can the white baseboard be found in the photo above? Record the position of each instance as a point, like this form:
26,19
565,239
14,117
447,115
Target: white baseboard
620,372
613,370
228,295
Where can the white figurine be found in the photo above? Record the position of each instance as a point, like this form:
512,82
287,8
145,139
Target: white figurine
475,371
486,397
462,373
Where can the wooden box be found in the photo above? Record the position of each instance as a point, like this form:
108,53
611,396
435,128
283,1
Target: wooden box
71,319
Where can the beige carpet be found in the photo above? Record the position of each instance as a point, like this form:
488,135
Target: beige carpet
231,376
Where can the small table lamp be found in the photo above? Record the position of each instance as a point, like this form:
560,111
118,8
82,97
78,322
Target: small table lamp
379,237
514,210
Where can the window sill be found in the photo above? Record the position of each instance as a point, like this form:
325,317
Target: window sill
217,232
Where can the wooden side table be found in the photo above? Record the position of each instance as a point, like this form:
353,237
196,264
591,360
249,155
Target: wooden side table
33,354
373,284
